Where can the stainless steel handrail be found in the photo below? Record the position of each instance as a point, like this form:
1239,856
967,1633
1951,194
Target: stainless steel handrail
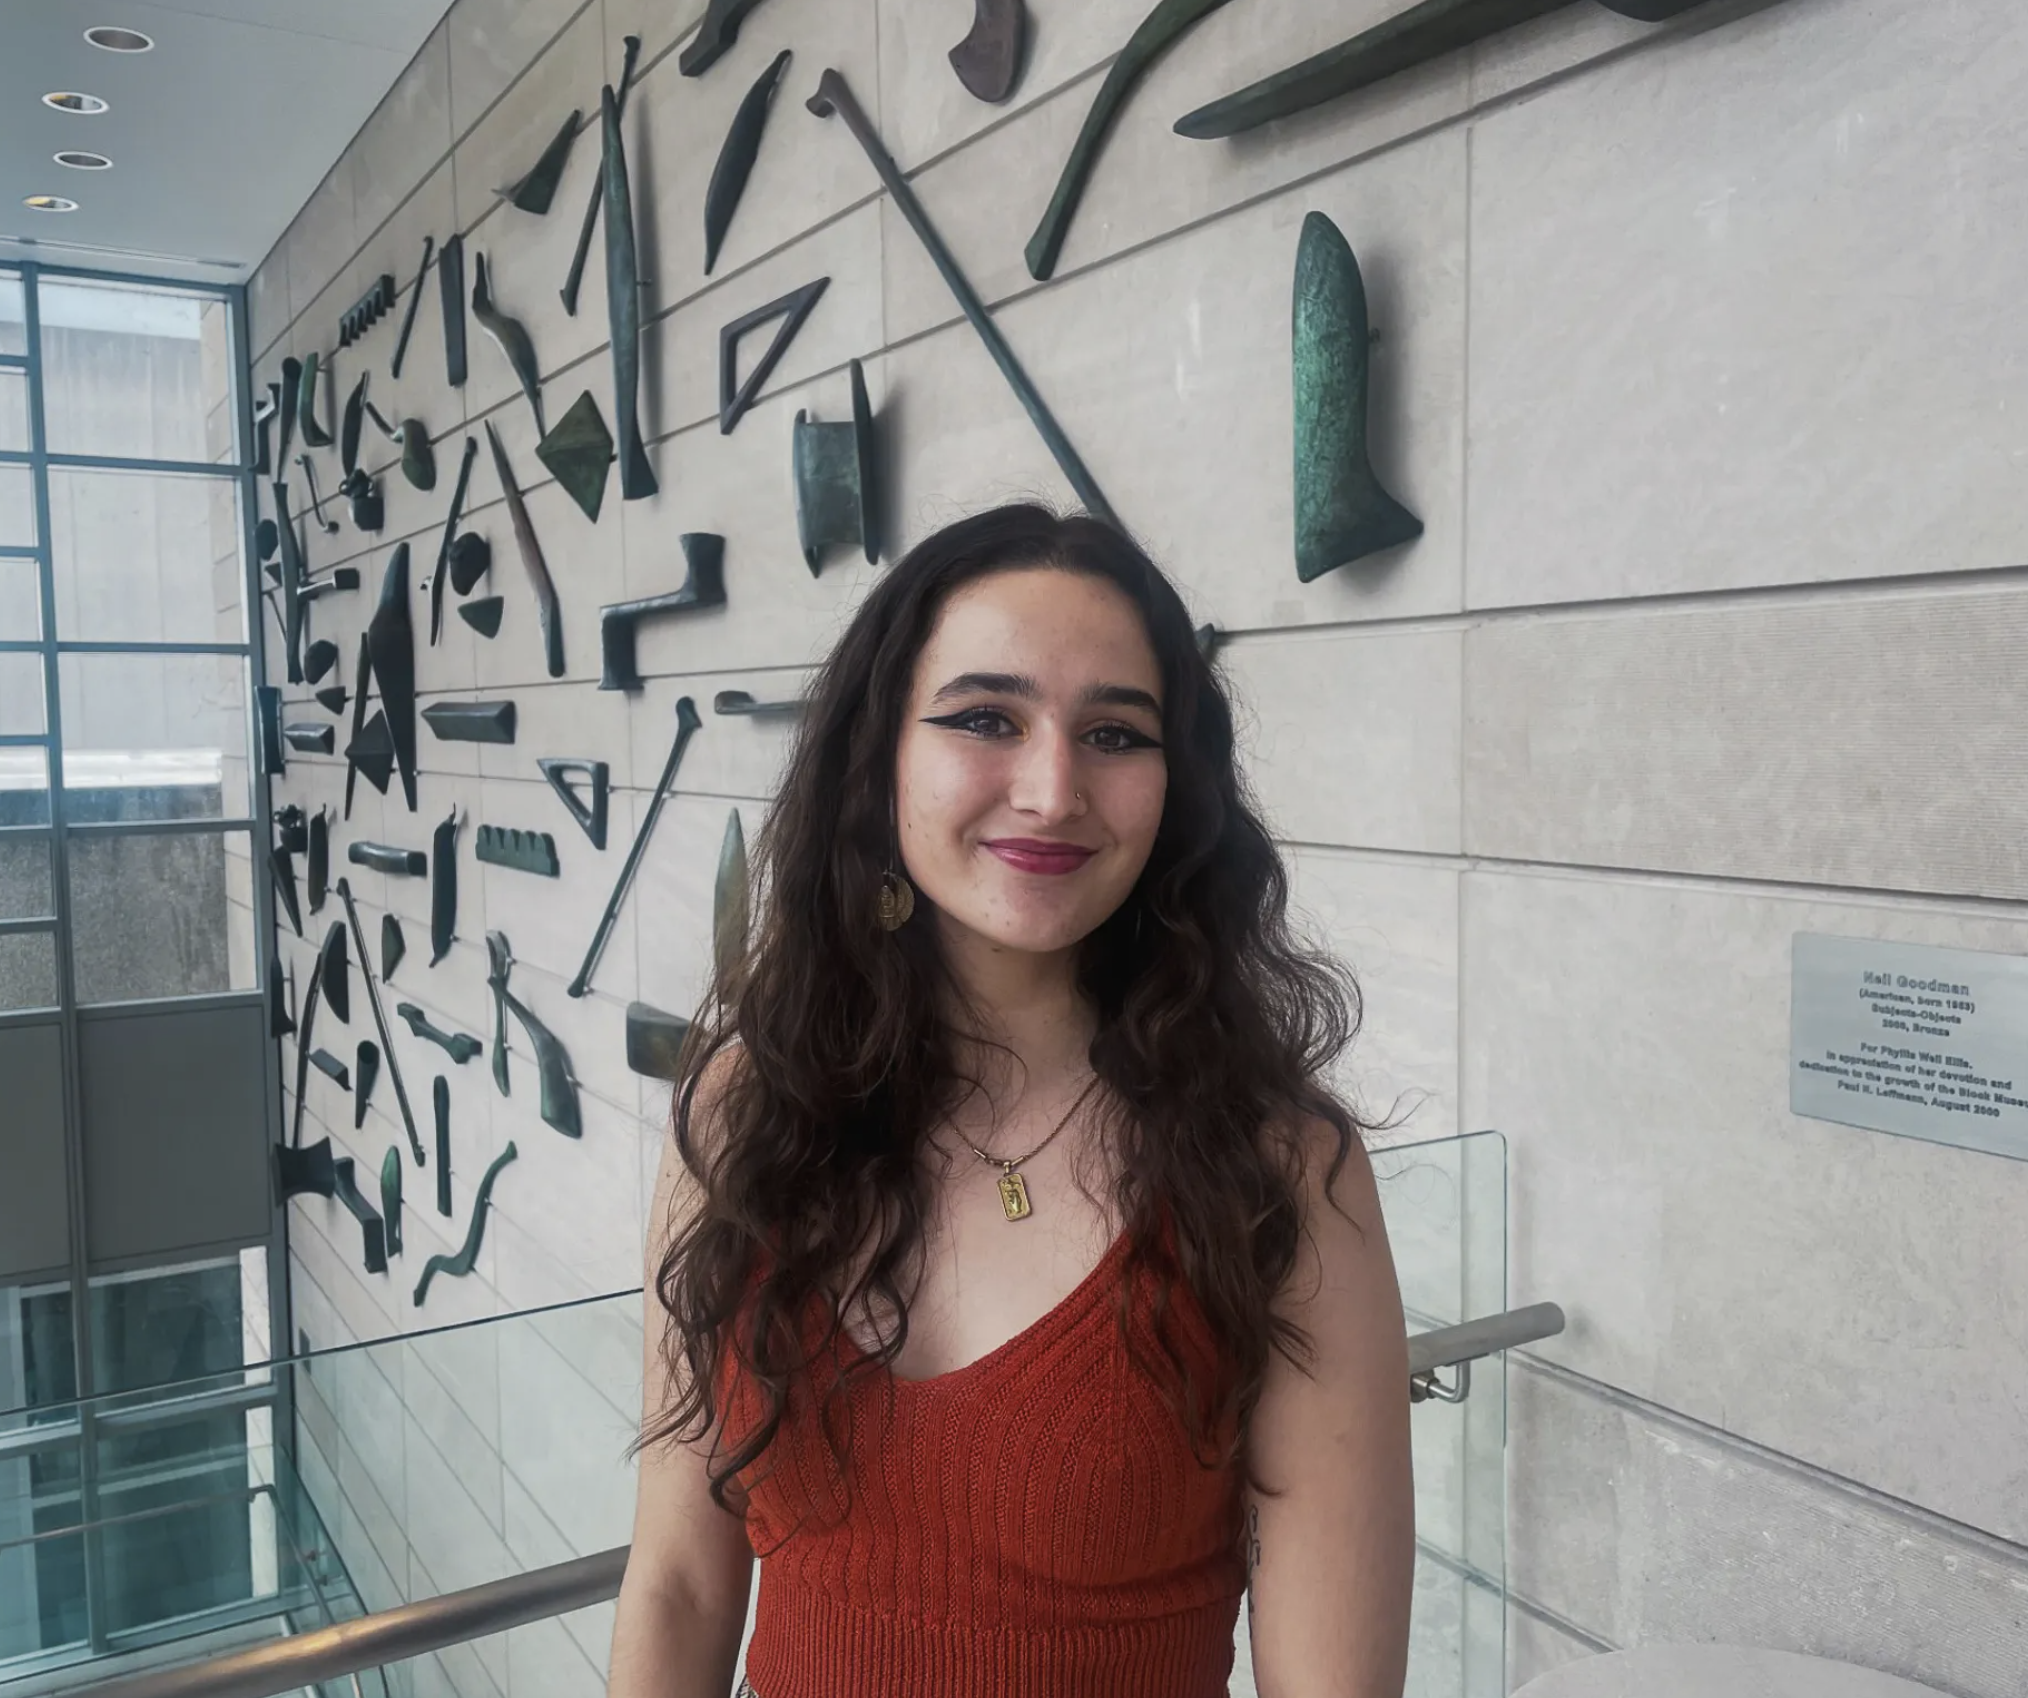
392,1636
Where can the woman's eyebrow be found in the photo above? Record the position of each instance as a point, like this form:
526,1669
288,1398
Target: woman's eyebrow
1019,684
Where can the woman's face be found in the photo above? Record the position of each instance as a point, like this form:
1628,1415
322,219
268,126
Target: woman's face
1030,773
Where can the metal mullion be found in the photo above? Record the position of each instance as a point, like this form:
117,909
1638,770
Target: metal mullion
133,463
10,832
20,551
160,828
28,927
26,739
13,362
240,649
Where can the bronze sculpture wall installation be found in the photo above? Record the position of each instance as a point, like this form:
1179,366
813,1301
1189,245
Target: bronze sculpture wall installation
293,574
834,96
332,1068
1341,511
408,313
988,60
363,493
371,752
365,1072
334,973
623,307
552,1062
596,198
577,452
837,487
524,851
471,722
510,336
380,1025
393,946
390,637
303,1173
450,536
1414,37
471,559
736,396
591,816
390,1198
459,1046
306,1024
314,433
350,425
444,886
367,311
741,703
729,901
1158,32
387,858
268,711
655,1042
440,1100
264,413
328,526
309,737
319,658
294,826
282,868
548,609
483,615
292,389
467,1257
355,751
687,724
280,1021
703,586
317,871
736,155
715,35
534,192
451,296
418,457
372,1231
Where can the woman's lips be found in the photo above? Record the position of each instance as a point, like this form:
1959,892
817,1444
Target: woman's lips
1041,858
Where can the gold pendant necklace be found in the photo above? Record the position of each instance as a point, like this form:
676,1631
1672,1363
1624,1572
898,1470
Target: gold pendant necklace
1014,1201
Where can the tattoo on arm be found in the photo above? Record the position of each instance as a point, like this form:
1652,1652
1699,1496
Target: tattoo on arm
1252,1543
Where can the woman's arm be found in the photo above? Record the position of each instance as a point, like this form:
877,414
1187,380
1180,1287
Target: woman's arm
1332,1558
682,1604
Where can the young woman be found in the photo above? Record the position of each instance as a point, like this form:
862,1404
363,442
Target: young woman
1017,1293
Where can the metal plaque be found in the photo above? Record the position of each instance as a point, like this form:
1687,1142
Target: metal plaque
1905,1038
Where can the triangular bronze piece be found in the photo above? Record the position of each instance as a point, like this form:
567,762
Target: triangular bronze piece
372,752
734,396
482,615
536,190
591,818
577,453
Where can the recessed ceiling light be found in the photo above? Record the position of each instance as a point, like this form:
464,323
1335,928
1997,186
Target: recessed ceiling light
49,203
78,160
67,102
119,40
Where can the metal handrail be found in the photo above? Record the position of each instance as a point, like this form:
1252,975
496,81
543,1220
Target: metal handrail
392,1636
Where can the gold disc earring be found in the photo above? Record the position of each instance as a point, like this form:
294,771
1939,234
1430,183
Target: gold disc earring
896,901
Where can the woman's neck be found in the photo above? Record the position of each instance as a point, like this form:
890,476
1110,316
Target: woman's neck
1035,1024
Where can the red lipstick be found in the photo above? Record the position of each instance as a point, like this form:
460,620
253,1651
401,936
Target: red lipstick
1039,855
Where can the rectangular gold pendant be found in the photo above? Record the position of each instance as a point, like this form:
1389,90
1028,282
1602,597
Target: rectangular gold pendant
1014,1196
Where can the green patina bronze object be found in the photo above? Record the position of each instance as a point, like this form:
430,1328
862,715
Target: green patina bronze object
309,737
362,678
372,1229
280,1021
736,396
471,722
596,198
314,433
393,946
418,457
548,609
1342,512
350,425
365,1074
536,190
459,1046
408,312
306,1024
577,452
552,1062
736,155
292,390
483,615
387,858
268,710
510,336
1411,38
303,1173
334,973
387,1054
730,899
332,1068
623,306
687,724
264,413
740,703
363,493
371,751
471,559
328,526
467,1258
440,1100
444,886
319,658
524,851
988,60
703,586
837,492
590,816
317,871
715,35
390,1198
1159,31
441,575
390,639
655,1041
282,867
451,294
834,95
367,311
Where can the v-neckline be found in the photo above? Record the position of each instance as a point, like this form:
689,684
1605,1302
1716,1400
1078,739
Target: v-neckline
1063,1312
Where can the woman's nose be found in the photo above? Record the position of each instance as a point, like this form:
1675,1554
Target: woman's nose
1047,781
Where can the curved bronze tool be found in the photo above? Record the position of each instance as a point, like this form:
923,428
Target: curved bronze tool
306,1023
509,336
314,433
349,426
715,35
388,858
459,1046
328,526
418,458
547,606
467,1257
623,307
736,156
457,512
371,1227
365,1073
1411,38
536,190
390,637
393,946
380,1024
1342,512
552,1062
988,60
264,413
687,724
451,294
703,586
408,313
444,886
390,1188
596,198
834,95
739,702
735,395
292,390
1158,32
293,574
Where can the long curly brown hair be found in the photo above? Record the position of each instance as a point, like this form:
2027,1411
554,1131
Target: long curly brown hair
1215,1030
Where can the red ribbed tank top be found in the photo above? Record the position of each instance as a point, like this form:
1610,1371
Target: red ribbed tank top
1032,1525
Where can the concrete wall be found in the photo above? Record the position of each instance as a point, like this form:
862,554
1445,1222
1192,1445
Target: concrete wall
1697,349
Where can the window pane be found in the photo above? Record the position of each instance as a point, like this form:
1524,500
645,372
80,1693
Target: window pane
20,602
27,972
13,323
25,890
154,737
22,707
14,410
24,787
122,370
38,1361
145,557
17,507
151,916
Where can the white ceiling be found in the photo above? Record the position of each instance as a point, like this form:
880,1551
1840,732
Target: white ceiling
217,136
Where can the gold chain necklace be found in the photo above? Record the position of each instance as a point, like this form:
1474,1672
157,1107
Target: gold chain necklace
1013,1188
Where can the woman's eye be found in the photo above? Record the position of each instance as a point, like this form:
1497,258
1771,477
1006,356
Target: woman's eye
978,721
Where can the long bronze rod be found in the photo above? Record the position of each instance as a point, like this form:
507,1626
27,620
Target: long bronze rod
380,1023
